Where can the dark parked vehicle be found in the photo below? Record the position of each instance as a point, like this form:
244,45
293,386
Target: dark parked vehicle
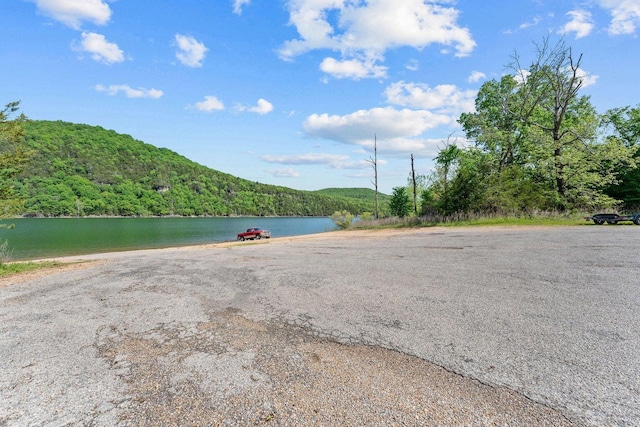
254,233
612,218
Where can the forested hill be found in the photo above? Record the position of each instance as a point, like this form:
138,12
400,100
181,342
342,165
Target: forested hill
355,193
87,170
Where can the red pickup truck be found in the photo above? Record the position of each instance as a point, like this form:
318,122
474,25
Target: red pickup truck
254,233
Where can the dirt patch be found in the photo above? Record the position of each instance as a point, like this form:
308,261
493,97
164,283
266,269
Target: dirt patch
234,371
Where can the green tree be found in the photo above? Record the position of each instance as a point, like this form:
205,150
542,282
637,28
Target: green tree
367,216
342,219
457,183
566,122
419,185
446,160
400,202
428,202
466,191
623,125
495,127
538,141
13,156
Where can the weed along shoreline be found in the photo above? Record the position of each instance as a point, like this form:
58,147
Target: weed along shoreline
480,326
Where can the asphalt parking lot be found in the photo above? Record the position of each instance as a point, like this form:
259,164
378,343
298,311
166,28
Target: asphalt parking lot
503,326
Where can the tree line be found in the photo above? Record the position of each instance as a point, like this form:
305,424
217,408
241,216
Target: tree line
534,144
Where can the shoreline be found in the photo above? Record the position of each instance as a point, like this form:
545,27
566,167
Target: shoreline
346,234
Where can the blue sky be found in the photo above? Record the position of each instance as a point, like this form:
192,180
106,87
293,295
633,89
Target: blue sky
292,92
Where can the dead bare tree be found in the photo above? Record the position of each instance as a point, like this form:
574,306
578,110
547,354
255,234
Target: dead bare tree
415,191
374,163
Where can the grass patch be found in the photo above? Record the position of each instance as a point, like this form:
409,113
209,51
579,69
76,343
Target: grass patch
545,221
7,269
474,221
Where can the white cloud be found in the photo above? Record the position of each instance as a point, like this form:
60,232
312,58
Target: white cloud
356,164
100,49
334,161
367,29
476,76
625,15
397,131
210,103
587,79
190,51
73,12
238,4
263,107
442,98
536,20
413,65
129,91
352,68
521,76
284,173
305,159
581,23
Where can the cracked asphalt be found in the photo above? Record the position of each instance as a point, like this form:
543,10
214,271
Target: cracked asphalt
422,327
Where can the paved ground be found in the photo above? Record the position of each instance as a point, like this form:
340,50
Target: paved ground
493,326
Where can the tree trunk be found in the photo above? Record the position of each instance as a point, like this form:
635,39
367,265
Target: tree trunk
415,197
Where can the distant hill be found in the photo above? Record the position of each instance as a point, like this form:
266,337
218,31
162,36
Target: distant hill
85,170
354,193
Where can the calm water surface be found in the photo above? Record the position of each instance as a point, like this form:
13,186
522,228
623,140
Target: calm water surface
34,238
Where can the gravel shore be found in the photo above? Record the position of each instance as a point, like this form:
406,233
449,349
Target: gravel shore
428,327
236,372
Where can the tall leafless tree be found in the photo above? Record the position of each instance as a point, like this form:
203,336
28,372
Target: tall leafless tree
374,163
415,190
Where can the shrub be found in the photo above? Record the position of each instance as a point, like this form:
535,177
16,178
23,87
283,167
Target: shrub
5,252
342,219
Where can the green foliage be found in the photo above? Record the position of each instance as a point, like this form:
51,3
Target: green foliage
342,219
13,156
400,203
366,216
80,170
5,253
536,146
466,191
421,185
622,125
428,202
352,193
494,127
366,196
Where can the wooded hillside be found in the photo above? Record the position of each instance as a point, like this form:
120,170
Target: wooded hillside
354,193
84,170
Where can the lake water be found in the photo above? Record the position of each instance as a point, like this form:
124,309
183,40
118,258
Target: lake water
34,238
